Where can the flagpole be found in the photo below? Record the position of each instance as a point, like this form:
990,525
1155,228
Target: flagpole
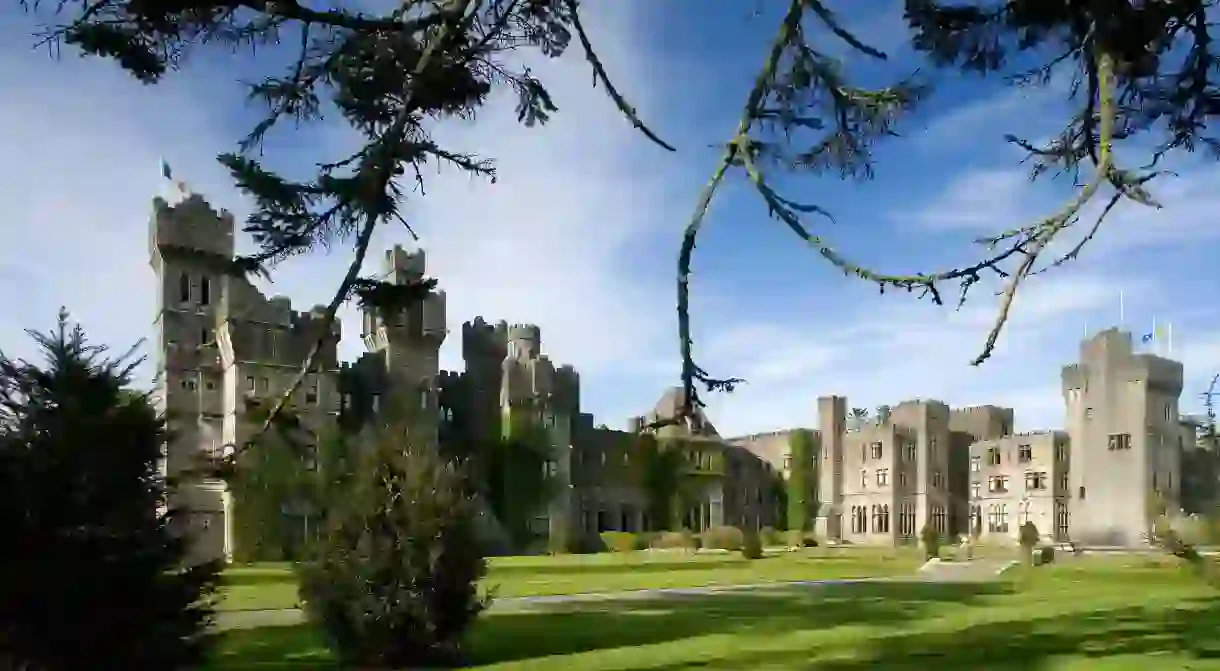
1122,311
1169,338
1156,338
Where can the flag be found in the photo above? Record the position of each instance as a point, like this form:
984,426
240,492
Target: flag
1159,333
169,175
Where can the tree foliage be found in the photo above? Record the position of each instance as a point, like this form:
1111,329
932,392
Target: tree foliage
516,480
1140,73
393,580
94,575
801,503
391,74
661,475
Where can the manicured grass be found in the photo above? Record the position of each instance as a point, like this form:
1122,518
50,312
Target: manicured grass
259,587
1077,616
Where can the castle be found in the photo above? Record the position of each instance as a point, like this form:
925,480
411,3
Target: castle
221,341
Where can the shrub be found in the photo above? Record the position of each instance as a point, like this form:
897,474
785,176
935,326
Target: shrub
768,536
751,545
93,576
930,538
673,540
620,541
393,581
723,538
1028,537
1046,555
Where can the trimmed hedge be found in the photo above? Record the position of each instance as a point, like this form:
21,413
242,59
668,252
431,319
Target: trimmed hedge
676,540
723,538
620,541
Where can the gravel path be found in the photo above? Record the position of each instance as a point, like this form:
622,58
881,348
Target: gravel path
289,616
975,571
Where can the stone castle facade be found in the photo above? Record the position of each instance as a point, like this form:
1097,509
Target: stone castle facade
221,341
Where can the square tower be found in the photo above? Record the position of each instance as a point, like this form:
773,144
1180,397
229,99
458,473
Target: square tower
1122,418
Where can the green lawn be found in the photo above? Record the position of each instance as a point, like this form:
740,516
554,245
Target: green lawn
1079,615
264,587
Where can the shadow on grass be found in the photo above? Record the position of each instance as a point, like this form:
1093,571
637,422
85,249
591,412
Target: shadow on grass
561,629
570,628
1148,639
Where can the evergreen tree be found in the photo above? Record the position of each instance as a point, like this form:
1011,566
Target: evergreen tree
93,576
393,580
1143,73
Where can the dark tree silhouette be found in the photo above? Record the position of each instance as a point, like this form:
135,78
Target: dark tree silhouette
93,576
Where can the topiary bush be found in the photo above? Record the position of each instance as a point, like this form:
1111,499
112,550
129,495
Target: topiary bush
723,538
1028,537
620,541
93,576
1046,555
930,538
751,545
393,579
675,540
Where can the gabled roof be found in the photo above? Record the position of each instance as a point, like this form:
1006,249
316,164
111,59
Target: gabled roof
668,407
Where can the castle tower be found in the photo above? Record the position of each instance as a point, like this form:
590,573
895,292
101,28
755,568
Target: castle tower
409,340
527,380
1122,419
832,425
189,246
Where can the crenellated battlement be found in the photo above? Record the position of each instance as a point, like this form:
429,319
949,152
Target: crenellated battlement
191,225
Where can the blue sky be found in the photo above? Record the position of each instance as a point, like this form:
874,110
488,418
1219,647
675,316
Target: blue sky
580,234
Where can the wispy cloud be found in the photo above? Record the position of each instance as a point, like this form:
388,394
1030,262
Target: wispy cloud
548,243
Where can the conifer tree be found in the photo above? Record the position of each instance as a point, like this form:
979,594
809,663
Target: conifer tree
1141,73
93,576
393,581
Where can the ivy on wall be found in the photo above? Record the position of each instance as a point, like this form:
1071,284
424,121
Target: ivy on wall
801,497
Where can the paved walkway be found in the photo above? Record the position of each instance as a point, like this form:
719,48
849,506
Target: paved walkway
288,616
981,570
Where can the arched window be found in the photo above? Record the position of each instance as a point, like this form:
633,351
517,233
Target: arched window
184,288
205,291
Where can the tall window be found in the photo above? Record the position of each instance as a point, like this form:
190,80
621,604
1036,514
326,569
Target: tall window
1025,453
205,291
876,450
976,490
1061,520
939,519
912,451
976,464
881,519
184,288
859,520
997,518
997,484
993,456
883,477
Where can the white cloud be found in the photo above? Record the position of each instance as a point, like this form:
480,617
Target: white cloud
549,243
899,349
